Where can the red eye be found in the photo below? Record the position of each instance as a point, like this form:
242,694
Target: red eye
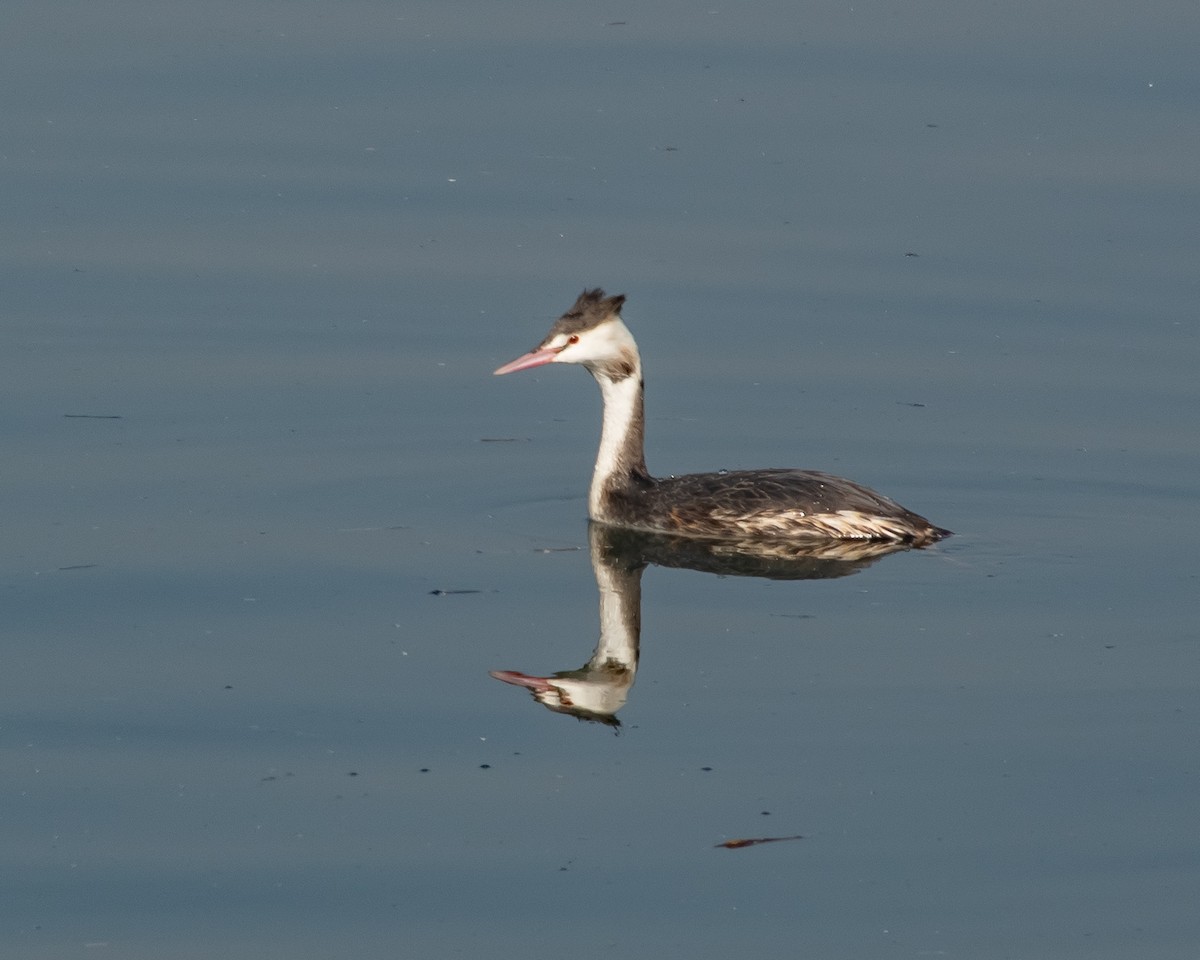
574,338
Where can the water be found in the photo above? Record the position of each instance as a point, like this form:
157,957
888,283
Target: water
271,521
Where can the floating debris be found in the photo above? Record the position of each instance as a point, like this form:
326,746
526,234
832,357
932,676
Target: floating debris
738,844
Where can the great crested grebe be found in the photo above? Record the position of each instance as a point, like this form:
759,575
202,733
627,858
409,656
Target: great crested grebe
778,504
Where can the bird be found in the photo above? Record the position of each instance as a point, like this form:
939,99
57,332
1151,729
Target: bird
772,504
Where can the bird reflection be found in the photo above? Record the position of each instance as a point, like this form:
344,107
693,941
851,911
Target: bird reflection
598,689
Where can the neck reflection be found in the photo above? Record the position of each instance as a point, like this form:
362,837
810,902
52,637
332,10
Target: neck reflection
598,689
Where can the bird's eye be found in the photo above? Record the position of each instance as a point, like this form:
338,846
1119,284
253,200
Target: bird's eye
574,338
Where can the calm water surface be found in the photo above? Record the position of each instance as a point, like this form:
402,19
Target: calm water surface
271,522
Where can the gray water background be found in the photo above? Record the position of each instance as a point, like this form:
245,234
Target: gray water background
946,249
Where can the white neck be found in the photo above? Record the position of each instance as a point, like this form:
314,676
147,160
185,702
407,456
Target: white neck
621,444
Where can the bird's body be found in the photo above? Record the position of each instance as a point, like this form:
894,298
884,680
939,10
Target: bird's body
774,503
769,504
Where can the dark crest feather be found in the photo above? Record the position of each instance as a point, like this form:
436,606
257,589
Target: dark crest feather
596,298
590,310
